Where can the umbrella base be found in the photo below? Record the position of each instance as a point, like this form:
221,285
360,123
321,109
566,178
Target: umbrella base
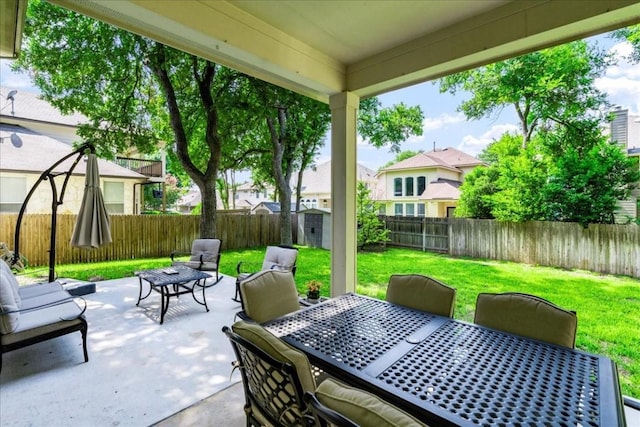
77,287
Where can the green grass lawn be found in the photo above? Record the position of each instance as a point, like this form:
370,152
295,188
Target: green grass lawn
608,307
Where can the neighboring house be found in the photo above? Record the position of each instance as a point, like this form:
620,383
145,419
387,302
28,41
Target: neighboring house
27,109
34,135
25,154
426,184
625,130
316,184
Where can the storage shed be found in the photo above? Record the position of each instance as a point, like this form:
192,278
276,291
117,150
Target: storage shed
314,228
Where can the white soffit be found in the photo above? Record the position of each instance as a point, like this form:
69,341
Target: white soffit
320,48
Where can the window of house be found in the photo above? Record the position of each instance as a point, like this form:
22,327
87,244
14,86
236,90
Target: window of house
397,186
398,209
410,209
114,197
13,191
382,210
420,209
422,185
408,186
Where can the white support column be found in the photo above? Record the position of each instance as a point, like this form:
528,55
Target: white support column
344,107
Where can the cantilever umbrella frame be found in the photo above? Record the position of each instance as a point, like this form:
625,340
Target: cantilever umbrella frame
49,174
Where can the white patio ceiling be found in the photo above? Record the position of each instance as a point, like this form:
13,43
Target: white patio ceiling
320,48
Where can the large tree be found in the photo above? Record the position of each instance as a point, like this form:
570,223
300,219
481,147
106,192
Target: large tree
554,84
135,91
563,168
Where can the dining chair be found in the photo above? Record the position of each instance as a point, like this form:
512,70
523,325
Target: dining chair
422,293
204,255
337,404
528,316
275,376
268,294
281,257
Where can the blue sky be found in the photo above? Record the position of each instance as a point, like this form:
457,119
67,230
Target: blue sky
443,124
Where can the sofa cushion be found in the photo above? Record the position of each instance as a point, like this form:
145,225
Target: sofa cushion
37,289
11,279
43,321
361,407
277,349
9,315
44,300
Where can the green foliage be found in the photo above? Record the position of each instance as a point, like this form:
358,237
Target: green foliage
371,230
476,191
171,194
388,126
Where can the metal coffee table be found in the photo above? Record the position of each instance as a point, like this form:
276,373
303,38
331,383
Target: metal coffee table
173,282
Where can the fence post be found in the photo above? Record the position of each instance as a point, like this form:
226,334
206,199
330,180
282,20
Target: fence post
424,234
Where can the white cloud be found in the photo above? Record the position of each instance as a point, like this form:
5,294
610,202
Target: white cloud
444,119
14,80
474,145
621,82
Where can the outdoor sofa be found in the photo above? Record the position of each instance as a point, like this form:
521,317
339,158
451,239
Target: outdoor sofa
35,313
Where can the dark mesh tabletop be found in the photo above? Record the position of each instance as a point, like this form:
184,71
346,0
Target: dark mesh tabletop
497,379
351,330
454,373
178,274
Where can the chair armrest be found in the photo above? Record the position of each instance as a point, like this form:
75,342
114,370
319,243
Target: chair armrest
179,253
246,267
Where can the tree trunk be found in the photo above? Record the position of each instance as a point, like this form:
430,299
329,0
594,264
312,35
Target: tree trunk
208,212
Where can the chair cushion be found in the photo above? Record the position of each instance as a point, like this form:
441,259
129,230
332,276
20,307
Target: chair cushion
528,316
11,279
278,258
43,321
422,293
269,294
277,349
208,248
8,306
38,289
361,407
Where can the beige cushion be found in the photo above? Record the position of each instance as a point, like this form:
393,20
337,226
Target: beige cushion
278,258
269,294
361,407
528,316
277,349
11,279
208,248
8,306
422,293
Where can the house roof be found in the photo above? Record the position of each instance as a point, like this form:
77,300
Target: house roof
274,207
448,158
23,150
30,106
442,189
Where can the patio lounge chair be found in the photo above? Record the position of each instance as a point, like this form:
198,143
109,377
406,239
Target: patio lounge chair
422,293
204,256
35,313
336,404
274,375
528,316
282,258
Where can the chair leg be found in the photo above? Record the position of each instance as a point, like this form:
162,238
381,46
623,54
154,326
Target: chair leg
237,297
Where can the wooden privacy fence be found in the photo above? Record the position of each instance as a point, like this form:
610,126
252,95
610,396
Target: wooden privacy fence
427,234
602,248
137,236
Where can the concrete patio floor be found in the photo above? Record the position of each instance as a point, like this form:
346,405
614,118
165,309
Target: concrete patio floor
139,372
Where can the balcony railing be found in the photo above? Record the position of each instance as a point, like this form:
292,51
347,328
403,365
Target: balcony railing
148,168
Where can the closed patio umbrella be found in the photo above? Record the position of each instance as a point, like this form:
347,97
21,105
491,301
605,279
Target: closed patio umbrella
92,226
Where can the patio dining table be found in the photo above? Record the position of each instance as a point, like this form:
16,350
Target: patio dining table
450,372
